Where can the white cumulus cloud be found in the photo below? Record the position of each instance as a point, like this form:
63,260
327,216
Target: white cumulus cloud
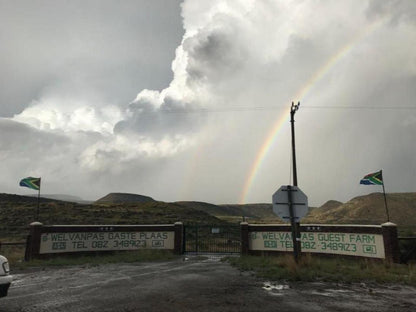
235,71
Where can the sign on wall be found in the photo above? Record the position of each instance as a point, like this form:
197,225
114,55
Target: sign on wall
351,244
105,241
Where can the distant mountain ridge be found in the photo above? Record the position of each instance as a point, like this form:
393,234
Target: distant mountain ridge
260,211
117,198
329,205
211,209
367,209
17,212
4,197
252,211
64,197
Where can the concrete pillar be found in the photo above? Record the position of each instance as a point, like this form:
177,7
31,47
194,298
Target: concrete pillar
244,238
33,241
178,238
391,242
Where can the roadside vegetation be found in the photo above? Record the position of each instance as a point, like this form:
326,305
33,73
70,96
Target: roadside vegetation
15,254
315,268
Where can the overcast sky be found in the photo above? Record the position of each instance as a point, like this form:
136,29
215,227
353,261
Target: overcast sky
189,101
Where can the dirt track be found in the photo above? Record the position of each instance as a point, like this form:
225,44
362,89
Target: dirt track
189,285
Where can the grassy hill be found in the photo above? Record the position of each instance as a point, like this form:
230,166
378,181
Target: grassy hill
261,211
13,198
17,212
330,205
236,213
117,198
367,209
211,209
255,213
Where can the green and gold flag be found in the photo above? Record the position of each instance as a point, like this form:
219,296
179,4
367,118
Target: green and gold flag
375,178
30,182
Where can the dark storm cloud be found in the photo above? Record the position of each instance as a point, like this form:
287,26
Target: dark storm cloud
213,56
186,137
396,10
83,47
15,136
170,118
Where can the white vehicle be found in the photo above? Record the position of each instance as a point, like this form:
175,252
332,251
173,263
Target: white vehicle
5,277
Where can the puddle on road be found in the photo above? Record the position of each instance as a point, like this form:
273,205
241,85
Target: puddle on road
332,292
274,289
279,290
207,257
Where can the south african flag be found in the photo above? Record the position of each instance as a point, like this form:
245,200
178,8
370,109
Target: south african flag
30,182
375,178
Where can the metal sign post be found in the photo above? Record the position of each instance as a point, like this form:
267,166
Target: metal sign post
281,203
295,229
295,225
291,204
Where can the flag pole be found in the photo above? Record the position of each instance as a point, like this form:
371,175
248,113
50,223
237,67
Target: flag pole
37,210
385,198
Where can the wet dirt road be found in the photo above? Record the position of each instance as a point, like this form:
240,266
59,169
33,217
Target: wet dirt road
189,285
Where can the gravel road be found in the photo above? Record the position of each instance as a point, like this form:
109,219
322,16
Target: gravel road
189,284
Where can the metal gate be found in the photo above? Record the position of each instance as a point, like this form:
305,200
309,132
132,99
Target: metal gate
407,247
212,239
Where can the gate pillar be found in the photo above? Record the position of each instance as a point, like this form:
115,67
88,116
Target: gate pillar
391,242
244,238
178,238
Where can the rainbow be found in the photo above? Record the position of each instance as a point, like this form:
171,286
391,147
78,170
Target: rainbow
299,96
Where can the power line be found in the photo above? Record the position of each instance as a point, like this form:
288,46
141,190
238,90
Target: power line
270,108
363,107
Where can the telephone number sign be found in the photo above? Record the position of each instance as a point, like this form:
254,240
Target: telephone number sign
353,244
105,241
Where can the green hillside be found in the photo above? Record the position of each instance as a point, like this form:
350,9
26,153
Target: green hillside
254,213
260,211
17,212
368,209
117,198
211,209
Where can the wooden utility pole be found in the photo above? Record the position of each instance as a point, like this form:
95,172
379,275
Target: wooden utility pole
295,225
293,110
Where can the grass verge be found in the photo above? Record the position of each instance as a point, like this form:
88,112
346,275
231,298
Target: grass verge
314,268
14,254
